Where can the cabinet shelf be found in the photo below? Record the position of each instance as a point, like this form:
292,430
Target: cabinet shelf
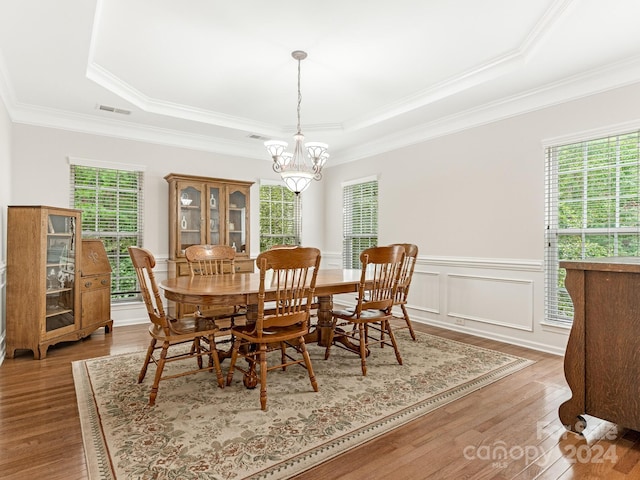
52,312
51,291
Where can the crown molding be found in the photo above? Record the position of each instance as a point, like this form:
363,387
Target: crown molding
606,78
596,81
51,118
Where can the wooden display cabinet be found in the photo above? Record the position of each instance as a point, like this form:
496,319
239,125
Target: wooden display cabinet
205,210
95,284
43,300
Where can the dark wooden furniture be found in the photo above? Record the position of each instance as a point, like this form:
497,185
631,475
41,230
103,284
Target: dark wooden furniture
602,359
44,255
167,332
293,274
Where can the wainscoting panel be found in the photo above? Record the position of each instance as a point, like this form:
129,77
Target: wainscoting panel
499,301
424,294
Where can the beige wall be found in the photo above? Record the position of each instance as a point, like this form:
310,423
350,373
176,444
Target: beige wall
46,151
473,202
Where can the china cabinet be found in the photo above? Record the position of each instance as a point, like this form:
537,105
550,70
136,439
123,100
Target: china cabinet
42,296
204,210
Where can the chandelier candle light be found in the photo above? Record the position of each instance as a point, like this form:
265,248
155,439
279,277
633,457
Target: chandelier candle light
297,169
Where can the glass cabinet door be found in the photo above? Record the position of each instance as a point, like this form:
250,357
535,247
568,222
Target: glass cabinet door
60,272
215,217
237,220
189,216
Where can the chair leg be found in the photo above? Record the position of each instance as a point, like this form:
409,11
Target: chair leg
307,362
158,376
283,355
330,340
363,348
213,355
408,320
147,359
393,341
198,349
263,376
232,362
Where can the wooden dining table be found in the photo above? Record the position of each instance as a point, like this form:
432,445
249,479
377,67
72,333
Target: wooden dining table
242,289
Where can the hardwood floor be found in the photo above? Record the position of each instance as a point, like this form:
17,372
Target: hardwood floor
517,416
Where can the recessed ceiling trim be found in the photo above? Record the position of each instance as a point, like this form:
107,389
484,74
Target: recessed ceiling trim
106,79
493,68
597,81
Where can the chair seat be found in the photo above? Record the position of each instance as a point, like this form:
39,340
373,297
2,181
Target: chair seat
187,326
280,334
365,316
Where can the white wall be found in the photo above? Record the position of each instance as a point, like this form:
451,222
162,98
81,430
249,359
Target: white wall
473,202
5,194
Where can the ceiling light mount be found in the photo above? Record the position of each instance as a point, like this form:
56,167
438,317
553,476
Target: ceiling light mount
297,169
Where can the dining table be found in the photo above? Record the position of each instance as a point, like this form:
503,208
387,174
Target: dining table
242,289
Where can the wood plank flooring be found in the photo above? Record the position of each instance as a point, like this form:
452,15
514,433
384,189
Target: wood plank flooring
508,430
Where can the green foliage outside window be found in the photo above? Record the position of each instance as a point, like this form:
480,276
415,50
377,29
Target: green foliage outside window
278,217
110,201
593,203
360,221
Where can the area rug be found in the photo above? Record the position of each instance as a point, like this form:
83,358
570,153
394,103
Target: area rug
199,431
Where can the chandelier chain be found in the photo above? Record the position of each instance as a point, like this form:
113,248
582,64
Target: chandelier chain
299,95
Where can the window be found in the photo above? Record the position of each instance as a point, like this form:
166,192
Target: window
592,209
360,219
111,203
279,216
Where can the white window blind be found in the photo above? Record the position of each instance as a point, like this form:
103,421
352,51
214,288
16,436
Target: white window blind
360,220
111,202
280,218
592,209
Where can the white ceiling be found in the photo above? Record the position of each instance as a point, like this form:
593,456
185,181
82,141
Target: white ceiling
210,74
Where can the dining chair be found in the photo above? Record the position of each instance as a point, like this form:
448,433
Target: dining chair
406,274
288,277
208,260
367,323
168,333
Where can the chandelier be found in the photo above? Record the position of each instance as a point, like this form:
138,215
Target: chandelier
297,169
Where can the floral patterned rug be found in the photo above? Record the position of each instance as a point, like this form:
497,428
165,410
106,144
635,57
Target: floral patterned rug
199,431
